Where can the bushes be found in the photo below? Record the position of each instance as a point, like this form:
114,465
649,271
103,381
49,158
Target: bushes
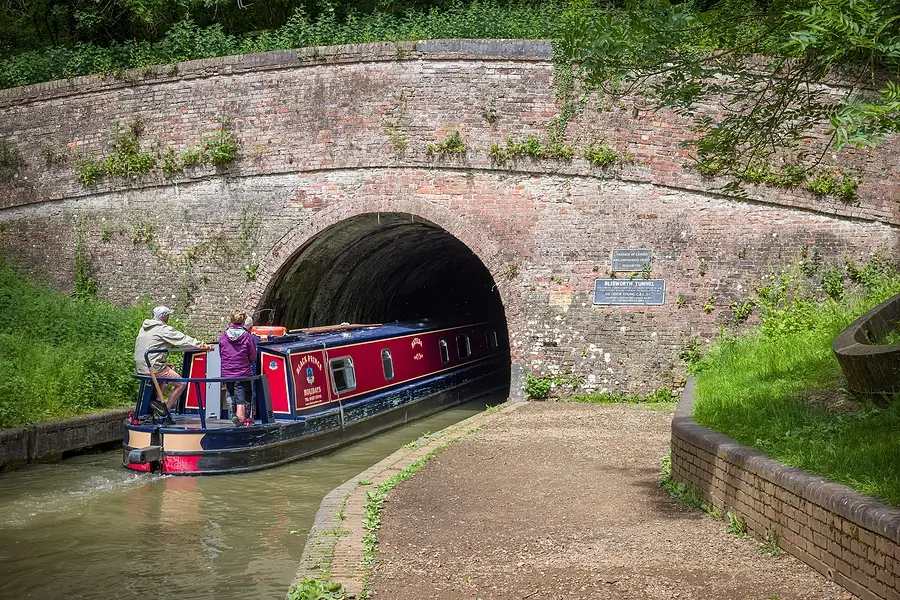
186,40
60,356
537,388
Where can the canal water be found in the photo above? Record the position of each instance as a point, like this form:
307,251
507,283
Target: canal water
87,528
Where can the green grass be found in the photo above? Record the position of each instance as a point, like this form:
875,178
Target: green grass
779,389
59,356
660,396
892,337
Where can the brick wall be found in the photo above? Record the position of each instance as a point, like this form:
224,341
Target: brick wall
318,133
848,537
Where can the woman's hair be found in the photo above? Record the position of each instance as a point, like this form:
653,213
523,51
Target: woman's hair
236,317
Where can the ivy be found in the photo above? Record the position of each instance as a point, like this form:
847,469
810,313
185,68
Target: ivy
537,388
126,160
602,156
826,183
837,184
217,147
85,286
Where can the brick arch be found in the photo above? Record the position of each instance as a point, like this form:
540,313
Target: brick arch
471,231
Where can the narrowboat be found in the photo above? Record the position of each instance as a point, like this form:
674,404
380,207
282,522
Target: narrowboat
314,390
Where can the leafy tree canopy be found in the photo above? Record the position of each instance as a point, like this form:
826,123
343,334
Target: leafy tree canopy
31,24
762,63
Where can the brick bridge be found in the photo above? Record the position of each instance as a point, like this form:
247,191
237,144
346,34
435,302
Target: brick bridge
335,210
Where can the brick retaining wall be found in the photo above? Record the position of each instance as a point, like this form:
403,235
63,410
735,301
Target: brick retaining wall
48,441
848,537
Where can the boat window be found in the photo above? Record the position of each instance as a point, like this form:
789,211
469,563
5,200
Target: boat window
493,342
463,347
387,364
342,374
445,354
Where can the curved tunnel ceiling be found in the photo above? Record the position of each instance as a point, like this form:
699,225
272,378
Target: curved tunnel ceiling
377,268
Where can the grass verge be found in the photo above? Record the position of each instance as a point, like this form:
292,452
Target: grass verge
779,387
60,356
660,396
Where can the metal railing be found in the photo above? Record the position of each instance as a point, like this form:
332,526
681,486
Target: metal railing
196,381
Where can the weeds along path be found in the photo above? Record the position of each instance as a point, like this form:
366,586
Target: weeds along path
558,500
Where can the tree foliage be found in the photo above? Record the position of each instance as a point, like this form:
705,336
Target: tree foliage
37,24
760,63
124,37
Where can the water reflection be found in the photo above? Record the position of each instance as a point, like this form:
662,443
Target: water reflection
87,528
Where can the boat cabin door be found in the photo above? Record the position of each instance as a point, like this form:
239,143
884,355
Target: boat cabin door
200,365
213,389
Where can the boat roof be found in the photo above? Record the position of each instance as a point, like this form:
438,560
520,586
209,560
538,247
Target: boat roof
342,335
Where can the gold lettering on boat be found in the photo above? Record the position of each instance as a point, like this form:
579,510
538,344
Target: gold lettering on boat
416,341
306,359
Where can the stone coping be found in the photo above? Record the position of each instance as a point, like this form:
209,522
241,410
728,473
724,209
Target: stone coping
334,548
447,49
50,439
864,511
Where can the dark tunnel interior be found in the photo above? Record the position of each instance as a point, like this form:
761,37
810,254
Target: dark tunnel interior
379,268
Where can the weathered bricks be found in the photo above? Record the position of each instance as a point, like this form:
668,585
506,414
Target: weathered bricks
853,539
318,144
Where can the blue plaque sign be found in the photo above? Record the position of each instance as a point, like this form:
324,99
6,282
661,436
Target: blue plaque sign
637,292
630,259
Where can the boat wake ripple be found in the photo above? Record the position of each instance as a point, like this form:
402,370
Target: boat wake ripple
27,504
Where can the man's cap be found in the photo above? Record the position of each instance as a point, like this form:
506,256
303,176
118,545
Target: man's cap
161,311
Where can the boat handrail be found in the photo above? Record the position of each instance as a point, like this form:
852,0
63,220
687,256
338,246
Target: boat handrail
152,376
189,380
197,379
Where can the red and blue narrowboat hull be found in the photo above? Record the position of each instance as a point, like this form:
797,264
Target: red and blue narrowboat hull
215,446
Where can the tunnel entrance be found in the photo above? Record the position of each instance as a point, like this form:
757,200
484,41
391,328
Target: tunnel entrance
378,268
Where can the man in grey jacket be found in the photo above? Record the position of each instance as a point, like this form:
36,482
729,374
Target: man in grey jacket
157,334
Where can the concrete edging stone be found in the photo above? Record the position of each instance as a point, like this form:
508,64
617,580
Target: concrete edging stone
49,440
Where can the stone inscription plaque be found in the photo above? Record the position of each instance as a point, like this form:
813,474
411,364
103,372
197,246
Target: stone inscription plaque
639,292
633,259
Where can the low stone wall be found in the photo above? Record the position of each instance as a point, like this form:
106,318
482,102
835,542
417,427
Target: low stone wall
48,441
848,537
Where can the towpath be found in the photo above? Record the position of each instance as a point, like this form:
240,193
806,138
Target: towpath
555,500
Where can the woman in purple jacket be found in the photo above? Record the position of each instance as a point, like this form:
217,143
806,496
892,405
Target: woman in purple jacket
237,349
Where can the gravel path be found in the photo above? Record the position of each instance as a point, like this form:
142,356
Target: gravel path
561,501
